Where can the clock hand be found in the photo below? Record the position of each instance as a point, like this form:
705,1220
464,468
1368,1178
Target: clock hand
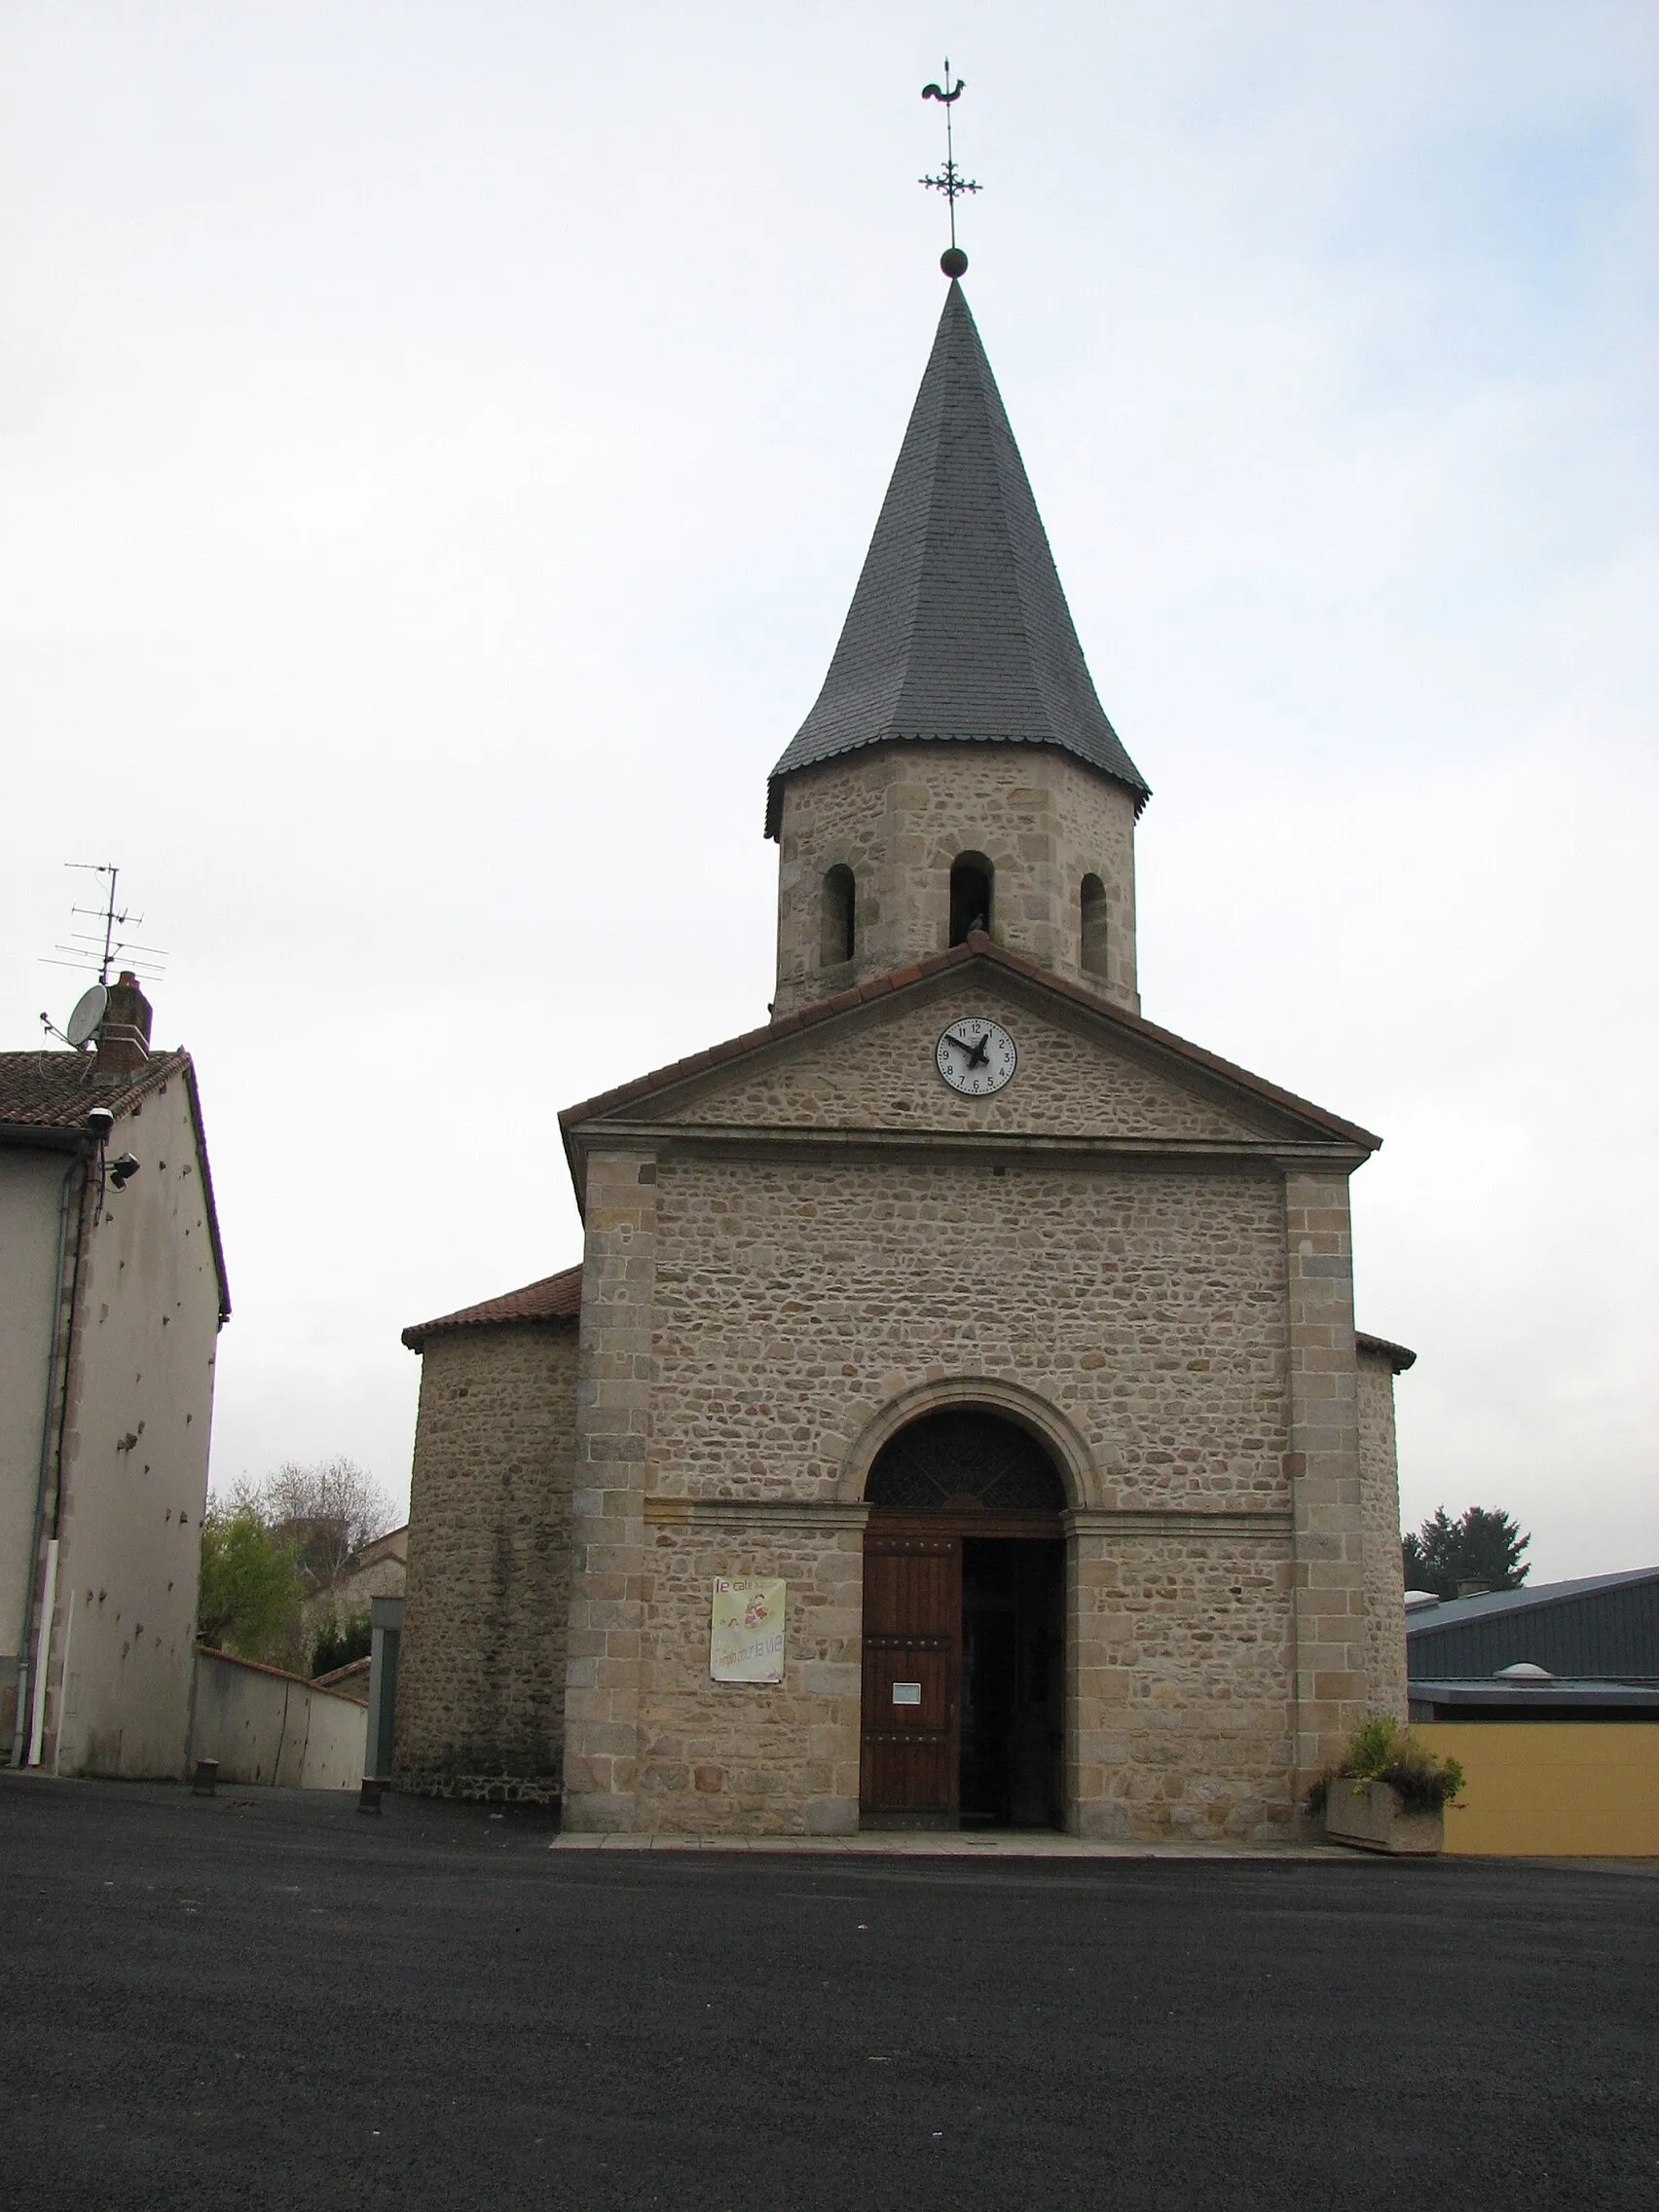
961,1042
977,1057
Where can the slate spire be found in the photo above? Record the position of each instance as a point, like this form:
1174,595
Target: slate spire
959,629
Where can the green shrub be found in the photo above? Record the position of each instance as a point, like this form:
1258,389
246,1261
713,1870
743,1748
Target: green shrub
1371,1750
339,1646
1379,1749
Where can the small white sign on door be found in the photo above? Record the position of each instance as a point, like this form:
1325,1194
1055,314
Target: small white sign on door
907,1693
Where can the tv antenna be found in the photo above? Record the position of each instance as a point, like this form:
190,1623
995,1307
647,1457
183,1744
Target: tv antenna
954,184
96,952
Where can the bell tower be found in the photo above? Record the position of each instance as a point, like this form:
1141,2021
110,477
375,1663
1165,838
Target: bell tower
957,770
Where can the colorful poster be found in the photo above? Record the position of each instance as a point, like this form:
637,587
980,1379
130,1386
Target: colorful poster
746,1631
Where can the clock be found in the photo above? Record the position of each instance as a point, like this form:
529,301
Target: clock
975,1057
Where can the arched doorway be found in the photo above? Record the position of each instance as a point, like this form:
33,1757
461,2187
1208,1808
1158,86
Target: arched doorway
964,1647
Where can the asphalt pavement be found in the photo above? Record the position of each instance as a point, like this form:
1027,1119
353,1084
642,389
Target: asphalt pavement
267,2000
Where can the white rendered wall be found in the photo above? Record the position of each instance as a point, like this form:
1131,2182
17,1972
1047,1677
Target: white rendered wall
30,1187
262,1725
131,1528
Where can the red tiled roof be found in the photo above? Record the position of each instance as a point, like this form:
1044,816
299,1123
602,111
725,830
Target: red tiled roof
555,1297
977,947
350,1681
56,1090
324,1682
1398,1357
48,1096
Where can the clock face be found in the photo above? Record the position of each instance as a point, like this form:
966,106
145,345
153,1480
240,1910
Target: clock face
975,1057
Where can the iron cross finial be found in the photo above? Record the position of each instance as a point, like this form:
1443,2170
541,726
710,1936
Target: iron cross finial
953,261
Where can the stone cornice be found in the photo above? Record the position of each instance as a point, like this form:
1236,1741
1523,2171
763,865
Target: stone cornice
797,1139
809,1513
754,1513
1097,1520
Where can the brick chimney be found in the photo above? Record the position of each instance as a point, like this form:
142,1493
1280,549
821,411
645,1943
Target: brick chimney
124,1033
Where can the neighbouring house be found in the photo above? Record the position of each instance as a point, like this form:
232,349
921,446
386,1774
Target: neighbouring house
1548,1698
112,1295
377,1571
958,1414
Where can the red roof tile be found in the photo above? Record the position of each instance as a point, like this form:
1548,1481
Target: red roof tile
555,1297
1398,1357
56,1090
350,1681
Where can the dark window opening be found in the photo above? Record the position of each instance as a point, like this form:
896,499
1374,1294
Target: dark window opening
970,895
964,1457
1093,926
837,932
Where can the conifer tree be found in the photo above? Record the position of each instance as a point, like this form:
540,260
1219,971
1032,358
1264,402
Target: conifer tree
1483,1545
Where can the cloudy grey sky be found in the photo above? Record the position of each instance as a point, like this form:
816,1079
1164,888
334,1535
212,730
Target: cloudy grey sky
438,443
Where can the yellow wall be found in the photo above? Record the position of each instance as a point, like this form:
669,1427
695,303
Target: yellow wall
1586,1789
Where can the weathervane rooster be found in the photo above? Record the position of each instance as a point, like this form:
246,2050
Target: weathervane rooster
953,261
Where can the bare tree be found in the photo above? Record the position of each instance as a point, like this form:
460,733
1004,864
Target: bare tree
325,1514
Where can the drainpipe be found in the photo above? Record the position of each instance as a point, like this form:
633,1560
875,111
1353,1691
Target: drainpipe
42,1652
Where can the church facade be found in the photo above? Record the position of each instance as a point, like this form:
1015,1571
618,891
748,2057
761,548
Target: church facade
957,1416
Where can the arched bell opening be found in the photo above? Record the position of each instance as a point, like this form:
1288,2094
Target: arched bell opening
837,934
964,1627
1094,920
971,881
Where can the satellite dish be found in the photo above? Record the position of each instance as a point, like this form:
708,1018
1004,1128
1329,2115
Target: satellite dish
89,1012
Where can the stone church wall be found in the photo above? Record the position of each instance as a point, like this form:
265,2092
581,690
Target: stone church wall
1183,1674
480,1681
742,1758
899,816
1385,1579
796,1299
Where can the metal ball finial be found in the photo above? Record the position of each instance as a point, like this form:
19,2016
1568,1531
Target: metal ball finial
953,261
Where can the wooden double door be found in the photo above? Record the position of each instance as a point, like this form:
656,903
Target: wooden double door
964,1671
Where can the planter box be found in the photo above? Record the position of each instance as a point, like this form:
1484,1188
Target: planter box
1370,1815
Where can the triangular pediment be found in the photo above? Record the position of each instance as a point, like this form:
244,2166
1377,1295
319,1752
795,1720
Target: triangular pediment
866,1063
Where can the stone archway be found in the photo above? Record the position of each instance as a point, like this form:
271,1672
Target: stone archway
1080,1465
964,1643
965,1459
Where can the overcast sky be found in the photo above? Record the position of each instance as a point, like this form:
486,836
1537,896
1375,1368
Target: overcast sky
439,443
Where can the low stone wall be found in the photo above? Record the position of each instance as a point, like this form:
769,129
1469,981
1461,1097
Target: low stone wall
263,1725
